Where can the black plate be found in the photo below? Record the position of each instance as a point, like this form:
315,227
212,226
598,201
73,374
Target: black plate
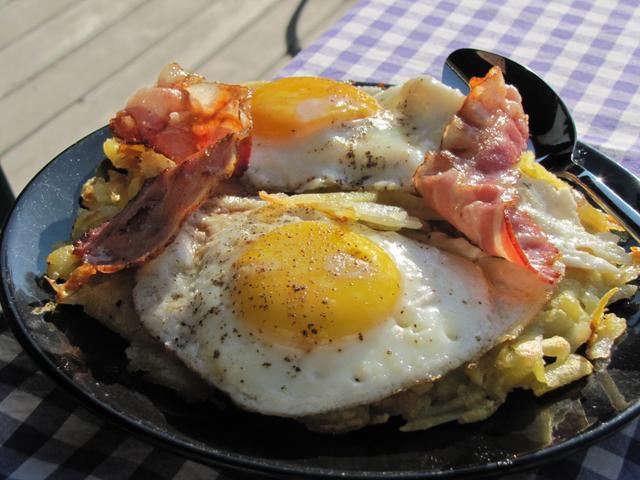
89,362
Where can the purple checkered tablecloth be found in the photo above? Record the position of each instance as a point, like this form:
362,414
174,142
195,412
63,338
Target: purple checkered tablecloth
588,50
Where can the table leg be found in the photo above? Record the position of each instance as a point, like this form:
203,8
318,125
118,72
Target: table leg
6,198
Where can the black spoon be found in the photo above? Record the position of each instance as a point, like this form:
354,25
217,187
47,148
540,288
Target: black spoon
553,136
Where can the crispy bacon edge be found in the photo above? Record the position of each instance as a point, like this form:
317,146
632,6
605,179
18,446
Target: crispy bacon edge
150,222
152,219
211,124
183,114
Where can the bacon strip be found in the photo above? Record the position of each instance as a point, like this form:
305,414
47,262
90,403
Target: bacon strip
471,181
152,219
204,127
184,114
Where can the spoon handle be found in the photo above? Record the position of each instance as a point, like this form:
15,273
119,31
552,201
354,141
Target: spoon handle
611,186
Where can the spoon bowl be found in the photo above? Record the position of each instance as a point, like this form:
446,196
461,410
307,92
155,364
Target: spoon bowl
552,133
553,137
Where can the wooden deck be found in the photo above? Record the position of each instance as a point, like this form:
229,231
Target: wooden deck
69,65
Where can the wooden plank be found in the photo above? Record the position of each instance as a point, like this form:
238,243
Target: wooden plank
261,46
20,17
190,45
310,26
211,30
55,39
73,112
42,98
313,22
261,42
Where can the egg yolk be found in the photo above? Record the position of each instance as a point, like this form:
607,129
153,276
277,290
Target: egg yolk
313,283
299,106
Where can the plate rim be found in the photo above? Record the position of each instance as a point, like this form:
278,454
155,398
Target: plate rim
224,460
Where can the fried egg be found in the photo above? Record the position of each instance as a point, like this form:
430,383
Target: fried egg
554,209
311,133
292,313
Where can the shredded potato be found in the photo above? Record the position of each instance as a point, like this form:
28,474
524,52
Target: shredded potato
544,357
593,219
61,262
350,206
412,204
103,198
606,328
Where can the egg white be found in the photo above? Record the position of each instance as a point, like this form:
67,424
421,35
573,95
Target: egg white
381,152
448,313
555,211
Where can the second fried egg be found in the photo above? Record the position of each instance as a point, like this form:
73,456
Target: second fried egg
311,133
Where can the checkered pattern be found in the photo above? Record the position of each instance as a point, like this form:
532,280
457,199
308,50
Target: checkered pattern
44,433
589,51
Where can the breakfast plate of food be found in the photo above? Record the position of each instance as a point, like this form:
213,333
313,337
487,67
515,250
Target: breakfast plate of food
309,277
